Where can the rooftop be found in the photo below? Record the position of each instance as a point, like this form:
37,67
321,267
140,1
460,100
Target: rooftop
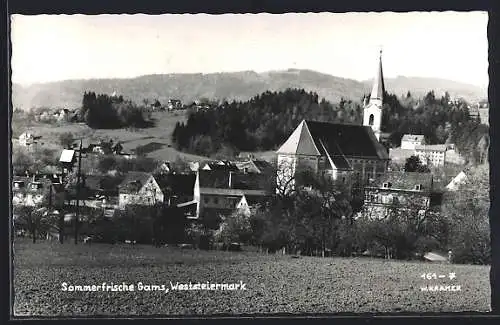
404,181
412,137
339,140
433,147
133,182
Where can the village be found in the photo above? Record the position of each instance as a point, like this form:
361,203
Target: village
351,155
265,164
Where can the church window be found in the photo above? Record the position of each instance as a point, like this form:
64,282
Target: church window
370,121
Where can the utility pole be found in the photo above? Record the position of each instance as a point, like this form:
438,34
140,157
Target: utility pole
78,185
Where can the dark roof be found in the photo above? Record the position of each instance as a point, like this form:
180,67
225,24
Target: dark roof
341,162
253,200
263,166
249,181
50,176
346,140
176,184
19,179
405,180
213,179
242,181
133,182
59,188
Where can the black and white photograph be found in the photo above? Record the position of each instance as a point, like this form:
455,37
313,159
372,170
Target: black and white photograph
250,164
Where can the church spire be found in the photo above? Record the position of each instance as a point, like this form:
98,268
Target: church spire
378,83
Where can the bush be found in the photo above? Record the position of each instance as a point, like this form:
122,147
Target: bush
234,229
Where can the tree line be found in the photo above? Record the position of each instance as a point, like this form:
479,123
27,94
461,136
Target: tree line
111,112
265,121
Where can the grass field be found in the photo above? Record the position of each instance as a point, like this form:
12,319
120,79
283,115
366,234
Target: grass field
274,283
130,138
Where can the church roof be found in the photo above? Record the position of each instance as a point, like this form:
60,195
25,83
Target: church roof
300,142
339,140
378,82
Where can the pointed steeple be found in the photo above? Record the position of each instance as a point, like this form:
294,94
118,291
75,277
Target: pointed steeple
378,83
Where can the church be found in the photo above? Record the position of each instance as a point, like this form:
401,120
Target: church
339,151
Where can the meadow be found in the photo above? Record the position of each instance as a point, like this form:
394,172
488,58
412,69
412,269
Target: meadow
275,284
160,135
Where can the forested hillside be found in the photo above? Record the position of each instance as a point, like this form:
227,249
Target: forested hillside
240,86
265,121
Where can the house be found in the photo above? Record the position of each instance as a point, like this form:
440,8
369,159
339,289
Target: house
177,188
399,191
30,192
62,115
254,166
219,192
68,159
457,181
410,141
26,139
55,178
246,155
101,185
434,155
165,167
97,191
339,151
117,149
453,156
127,155
220,166
174,104
194,166
139,188
247,205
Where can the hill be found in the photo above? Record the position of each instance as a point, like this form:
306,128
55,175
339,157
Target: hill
232,85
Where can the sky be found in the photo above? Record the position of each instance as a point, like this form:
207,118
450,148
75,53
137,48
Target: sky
448,45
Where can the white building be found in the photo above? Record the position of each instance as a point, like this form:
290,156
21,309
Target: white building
410,141
457,181
26,139
434,155
139,188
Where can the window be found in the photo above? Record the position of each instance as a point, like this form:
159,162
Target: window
370,120
206,200
216,200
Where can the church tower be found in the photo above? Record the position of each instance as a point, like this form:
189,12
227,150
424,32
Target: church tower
372,112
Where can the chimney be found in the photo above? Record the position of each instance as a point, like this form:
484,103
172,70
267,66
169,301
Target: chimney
230,180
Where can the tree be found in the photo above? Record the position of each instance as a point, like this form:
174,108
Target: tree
66,140
235,228
466,211
33,218
22,161
414,164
